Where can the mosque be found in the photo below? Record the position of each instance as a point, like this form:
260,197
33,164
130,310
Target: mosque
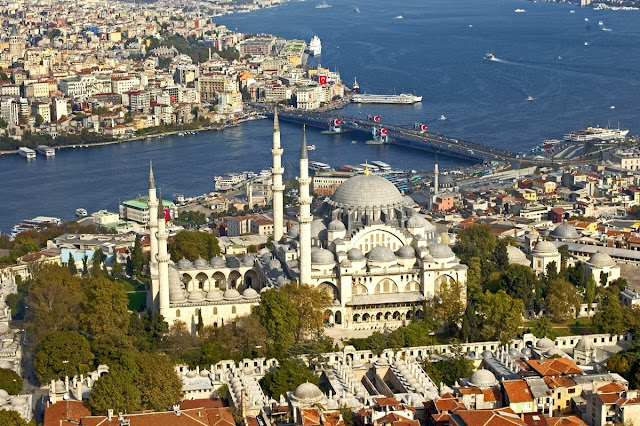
365,245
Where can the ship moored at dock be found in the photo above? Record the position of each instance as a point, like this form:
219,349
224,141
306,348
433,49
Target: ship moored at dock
403,98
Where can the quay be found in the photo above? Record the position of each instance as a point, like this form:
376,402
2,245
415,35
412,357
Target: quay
402,136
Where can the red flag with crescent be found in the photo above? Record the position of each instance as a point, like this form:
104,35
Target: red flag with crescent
376,118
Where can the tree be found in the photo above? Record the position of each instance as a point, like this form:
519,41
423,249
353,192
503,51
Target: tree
158,383
310,303
63,353
10,381
280,318
11,418
449,304
544,328
71,264
115,391
55,300
561,298
288,376
501,316
192,245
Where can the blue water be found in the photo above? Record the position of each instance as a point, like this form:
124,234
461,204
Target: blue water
432,51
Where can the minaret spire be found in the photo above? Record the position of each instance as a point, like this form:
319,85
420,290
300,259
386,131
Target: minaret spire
305,217
277,186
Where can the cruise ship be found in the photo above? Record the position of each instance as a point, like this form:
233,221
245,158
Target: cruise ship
403,98
596,134
27,153
46,150
315,46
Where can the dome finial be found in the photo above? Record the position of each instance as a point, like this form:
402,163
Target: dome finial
366,168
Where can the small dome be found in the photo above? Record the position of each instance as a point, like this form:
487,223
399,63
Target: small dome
483,379
249,293
322,257
406,252
294,231
601,260
214,295
336,226
200,263
184,263
487,354
217,262
355,254
545,247
231,294
307,393
545,343
416,221
232,262
248,260
564,232
555,351
381,254
584,345
197,295
440,251
318,229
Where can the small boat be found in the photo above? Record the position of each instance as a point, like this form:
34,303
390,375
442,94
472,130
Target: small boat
311,148
530,98
489,56
442,117
612,107
81,212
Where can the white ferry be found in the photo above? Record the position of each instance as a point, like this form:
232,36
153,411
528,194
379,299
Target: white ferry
318,166
27,153
46,150
596,134
315,46
403,98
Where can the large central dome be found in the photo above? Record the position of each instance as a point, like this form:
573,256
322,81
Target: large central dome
367,191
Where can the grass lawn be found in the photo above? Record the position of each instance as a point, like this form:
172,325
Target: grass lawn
137,301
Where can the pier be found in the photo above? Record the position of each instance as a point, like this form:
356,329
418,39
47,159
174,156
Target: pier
402,136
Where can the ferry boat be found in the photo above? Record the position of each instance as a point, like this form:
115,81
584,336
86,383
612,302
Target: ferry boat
596,134
403,98
318,166
46,150
489,56
315,46
27,153
81,212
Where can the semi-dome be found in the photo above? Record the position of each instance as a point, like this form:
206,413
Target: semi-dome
196,296
381,254
483,379
545,343
336,226
366,191
322,257
231,294
200,263
406,252
214,295
601,260
545,247
440,251
564,231
232,262
217,262
307,393
249,293
184,263
355,254
416,221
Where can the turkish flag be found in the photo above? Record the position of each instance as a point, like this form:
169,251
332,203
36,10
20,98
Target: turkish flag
322,79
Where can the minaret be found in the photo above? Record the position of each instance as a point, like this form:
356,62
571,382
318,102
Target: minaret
305,217
153,237
278,188
435,177
163,258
